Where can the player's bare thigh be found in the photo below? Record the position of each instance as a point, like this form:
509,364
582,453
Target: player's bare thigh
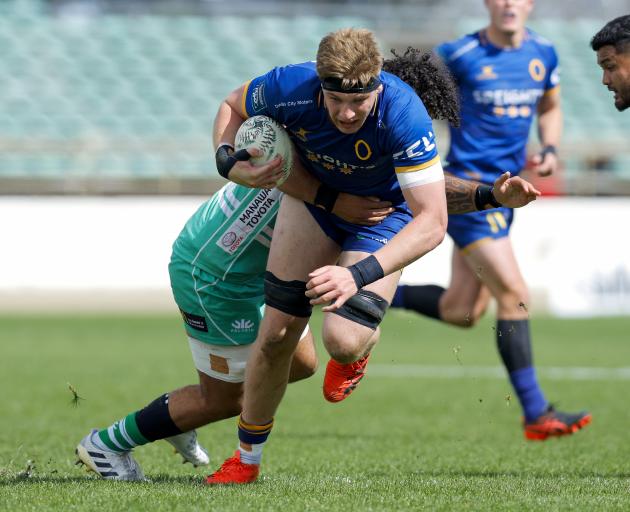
304,363
299,245
215,399
497,267
466,299
345,340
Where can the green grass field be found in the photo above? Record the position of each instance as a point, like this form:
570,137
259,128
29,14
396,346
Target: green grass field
430,428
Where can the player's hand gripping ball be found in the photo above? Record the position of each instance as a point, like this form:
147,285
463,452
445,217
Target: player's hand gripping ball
271,138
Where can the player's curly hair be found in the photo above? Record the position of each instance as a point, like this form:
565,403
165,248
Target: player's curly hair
431,80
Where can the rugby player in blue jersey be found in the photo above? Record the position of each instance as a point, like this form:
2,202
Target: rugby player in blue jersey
217,274
506,74
612,44
358,130
217,281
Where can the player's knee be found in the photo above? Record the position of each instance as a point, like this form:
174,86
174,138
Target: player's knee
222,405
364,308
460,315
303,368
464,321
287,296
513,298
346,348
232,409
223,409
275,342
464,309
280,333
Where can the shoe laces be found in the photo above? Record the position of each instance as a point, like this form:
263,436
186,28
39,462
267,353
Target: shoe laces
350,370
551,413
230,465
359,366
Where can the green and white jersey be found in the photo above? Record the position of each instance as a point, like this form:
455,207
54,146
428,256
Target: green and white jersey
218,264
230,234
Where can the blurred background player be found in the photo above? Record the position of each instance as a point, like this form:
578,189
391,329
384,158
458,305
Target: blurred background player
612,44
506,73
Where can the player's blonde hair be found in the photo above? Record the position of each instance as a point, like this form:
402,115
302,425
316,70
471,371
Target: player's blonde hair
349,54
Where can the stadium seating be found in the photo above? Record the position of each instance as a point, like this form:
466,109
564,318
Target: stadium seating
92,94
112,95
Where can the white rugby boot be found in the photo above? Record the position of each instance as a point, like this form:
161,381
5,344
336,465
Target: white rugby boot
187,446
107,463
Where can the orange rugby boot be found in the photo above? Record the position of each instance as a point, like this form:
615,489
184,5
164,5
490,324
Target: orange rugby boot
233,471
554,423
342,379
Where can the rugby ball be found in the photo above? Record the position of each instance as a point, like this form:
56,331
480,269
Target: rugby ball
268,135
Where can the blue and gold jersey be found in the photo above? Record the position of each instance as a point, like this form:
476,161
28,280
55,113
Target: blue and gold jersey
394,148
500,90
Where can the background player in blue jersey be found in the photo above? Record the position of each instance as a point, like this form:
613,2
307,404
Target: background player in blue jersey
612,44
361,131
506,74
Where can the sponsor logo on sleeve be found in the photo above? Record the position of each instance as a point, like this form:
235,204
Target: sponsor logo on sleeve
228,239
259,102
261,209
418,148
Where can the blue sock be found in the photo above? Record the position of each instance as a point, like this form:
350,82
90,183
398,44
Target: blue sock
399,297
529,393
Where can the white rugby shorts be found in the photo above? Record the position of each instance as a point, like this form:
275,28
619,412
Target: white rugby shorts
223,362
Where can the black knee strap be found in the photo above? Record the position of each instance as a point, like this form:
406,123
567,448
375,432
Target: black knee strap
365,308
287,296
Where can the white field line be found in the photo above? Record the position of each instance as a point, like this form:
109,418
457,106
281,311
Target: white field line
494,372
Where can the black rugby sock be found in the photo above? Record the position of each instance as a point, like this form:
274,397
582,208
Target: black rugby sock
154,421
423,299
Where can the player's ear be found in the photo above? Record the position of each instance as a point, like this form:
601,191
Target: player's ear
530,6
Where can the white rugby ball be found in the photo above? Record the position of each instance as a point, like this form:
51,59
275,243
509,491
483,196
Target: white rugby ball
268,135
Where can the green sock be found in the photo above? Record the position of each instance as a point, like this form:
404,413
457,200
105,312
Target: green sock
123,435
